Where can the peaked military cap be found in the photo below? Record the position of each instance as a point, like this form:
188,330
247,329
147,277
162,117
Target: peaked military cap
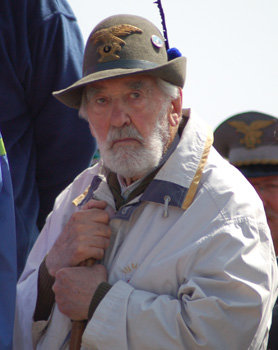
250,142
122,45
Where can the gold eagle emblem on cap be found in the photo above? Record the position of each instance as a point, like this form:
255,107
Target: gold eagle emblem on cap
252,132
111,41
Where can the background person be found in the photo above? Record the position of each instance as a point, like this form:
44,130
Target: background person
249,141
181,237
47,144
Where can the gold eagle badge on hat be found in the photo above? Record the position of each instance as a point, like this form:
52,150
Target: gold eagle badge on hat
252,132
111,43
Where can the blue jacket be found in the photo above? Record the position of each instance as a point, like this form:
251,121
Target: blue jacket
7,253
41,50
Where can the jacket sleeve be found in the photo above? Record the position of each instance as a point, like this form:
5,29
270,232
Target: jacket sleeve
64,145
221,304
27,290
27,286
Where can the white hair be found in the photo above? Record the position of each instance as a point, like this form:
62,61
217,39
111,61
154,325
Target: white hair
171,91
82,112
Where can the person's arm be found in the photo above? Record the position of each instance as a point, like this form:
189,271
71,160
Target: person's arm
64,145
27,287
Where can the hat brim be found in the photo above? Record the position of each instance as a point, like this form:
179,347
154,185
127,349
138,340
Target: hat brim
172,72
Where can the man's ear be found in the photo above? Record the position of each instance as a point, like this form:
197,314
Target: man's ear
175,113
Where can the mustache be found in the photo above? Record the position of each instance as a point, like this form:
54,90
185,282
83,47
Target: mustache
128,131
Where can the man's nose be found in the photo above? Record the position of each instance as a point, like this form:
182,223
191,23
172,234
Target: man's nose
119,114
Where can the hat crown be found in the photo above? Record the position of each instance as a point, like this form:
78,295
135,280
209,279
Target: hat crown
123,41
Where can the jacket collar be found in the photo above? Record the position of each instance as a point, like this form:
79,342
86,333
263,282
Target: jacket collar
179,177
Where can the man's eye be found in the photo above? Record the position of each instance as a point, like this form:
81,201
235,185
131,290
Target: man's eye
273,186
100,100
135,95
267,187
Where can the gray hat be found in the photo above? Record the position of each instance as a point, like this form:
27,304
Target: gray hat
124,45
250,142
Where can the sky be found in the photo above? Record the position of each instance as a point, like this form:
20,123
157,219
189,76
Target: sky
231,48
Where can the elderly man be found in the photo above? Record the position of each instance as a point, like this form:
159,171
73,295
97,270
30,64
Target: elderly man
250,141
185,257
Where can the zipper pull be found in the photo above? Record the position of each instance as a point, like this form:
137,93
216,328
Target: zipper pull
167,199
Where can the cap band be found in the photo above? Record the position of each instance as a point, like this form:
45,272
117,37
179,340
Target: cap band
125,64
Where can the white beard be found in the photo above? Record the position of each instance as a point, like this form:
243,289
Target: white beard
139,159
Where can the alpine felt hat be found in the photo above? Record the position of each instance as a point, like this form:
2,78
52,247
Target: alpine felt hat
123,45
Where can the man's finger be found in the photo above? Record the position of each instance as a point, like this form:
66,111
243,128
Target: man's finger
93,203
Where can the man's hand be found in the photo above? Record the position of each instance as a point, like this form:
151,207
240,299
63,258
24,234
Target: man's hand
74,288
86,235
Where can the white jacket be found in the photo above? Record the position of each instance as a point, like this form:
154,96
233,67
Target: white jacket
201,274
